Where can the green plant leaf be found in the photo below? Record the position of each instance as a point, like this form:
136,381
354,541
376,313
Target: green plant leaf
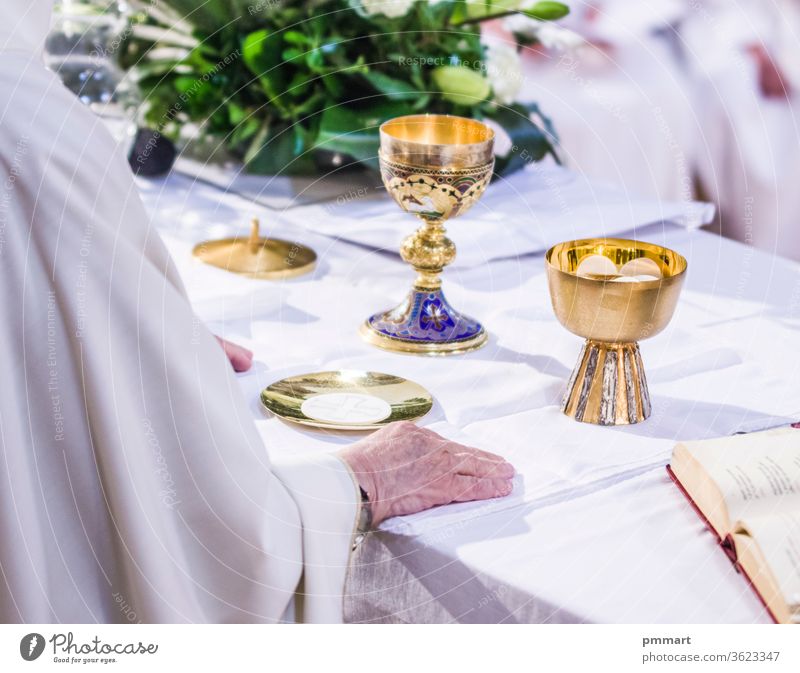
243,132
422,102
280,150
292,53
334,85
207,16
309,105
262,53
296,37
236,113
546,122
355,132
530,142
395,89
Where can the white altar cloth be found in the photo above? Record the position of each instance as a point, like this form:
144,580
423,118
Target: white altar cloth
593,531
525,212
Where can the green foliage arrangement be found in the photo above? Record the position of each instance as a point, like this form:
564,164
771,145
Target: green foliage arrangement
277,82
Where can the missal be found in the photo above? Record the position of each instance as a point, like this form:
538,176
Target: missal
747,489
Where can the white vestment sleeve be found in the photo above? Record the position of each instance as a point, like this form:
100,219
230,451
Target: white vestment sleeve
328,500
135,487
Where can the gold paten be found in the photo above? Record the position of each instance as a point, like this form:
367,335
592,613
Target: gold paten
608,385
435,167
408,400
257,257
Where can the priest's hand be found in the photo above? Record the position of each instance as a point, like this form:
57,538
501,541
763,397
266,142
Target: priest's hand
406,469
241,358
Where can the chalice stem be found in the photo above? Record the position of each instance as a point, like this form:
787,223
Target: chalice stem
429,250
426,322
608,385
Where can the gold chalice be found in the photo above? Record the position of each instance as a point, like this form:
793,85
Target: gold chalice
614,293
435,167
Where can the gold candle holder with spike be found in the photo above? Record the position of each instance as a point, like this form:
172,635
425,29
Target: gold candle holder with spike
613,293
257,257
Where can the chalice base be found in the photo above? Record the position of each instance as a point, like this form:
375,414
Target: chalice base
608,385
424,324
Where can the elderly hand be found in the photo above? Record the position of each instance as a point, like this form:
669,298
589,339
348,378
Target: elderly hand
241,358
406,469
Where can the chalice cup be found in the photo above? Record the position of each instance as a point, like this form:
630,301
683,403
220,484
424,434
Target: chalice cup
613,293
435,167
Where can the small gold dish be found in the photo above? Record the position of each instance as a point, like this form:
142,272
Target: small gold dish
347,400
608,385
256,257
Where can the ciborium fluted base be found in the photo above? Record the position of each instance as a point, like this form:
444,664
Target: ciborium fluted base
608,385
424,324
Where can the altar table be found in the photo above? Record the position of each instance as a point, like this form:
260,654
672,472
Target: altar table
595,531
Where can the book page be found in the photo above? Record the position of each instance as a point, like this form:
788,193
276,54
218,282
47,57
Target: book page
778,538
758,474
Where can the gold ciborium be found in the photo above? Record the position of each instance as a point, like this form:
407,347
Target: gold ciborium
614,293
435,167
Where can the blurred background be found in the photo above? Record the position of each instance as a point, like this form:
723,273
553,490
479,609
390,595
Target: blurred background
673,99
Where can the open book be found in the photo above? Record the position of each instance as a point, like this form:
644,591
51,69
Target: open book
747,488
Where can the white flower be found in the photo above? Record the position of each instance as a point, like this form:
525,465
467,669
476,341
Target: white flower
550,35
504,71
391,8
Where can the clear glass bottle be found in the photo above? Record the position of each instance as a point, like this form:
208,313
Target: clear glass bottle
82,49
